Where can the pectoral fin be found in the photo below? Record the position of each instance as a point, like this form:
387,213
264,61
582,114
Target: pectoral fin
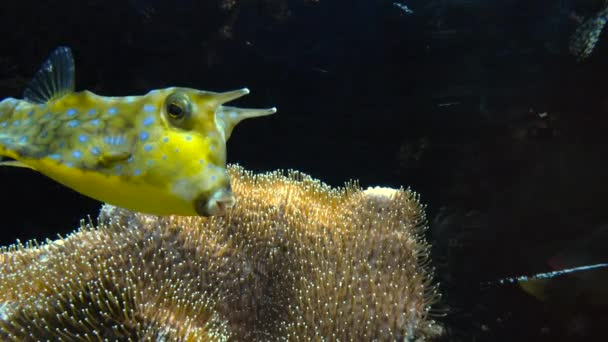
109,159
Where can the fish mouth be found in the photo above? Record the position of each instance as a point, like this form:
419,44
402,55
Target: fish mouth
218,203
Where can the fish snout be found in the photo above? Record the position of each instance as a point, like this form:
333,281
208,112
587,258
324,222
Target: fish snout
218,203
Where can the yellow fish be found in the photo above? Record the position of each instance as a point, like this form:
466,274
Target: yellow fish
161,153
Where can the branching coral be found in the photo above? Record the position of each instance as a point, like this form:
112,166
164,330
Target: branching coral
293,260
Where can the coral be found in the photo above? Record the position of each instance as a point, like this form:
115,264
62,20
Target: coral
293,260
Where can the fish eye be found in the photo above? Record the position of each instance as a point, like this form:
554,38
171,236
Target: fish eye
178,109
175,110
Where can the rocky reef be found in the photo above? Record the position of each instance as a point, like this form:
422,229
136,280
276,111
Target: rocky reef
294,260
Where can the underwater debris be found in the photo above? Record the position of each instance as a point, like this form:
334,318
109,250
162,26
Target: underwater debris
294,259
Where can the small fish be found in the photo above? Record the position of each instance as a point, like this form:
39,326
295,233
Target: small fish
403,7
579,273
537,284
161,153
586,36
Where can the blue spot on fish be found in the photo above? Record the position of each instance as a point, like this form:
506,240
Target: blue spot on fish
166,139
136,172
77,154
71,112
149,108
44,134
118,168
150,162
143,136
95,151
30,113
16,123
114,140
92,112
61,144
73,123
23,139
130,160
95,122
112,111
148,121
188,137
4,124
213,178
83,138
69,164
47,116
55,156
148,148
201,161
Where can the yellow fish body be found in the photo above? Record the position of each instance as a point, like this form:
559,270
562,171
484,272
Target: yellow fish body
162,153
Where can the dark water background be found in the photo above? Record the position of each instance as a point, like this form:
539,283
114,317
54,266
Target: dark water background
476,105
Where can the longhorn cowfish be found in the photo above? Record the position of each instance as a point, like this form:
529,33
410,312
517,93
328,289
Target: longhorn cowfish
161,153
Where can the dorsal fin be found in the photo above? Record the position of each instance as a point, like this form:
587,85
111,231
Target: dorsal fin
54,79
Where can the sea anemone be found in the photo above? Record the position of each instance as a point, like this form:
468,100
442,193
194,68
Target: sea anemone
294,260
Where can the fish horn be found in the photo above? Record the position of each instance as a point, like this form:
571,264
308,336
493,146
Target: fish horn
231,116
228,96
